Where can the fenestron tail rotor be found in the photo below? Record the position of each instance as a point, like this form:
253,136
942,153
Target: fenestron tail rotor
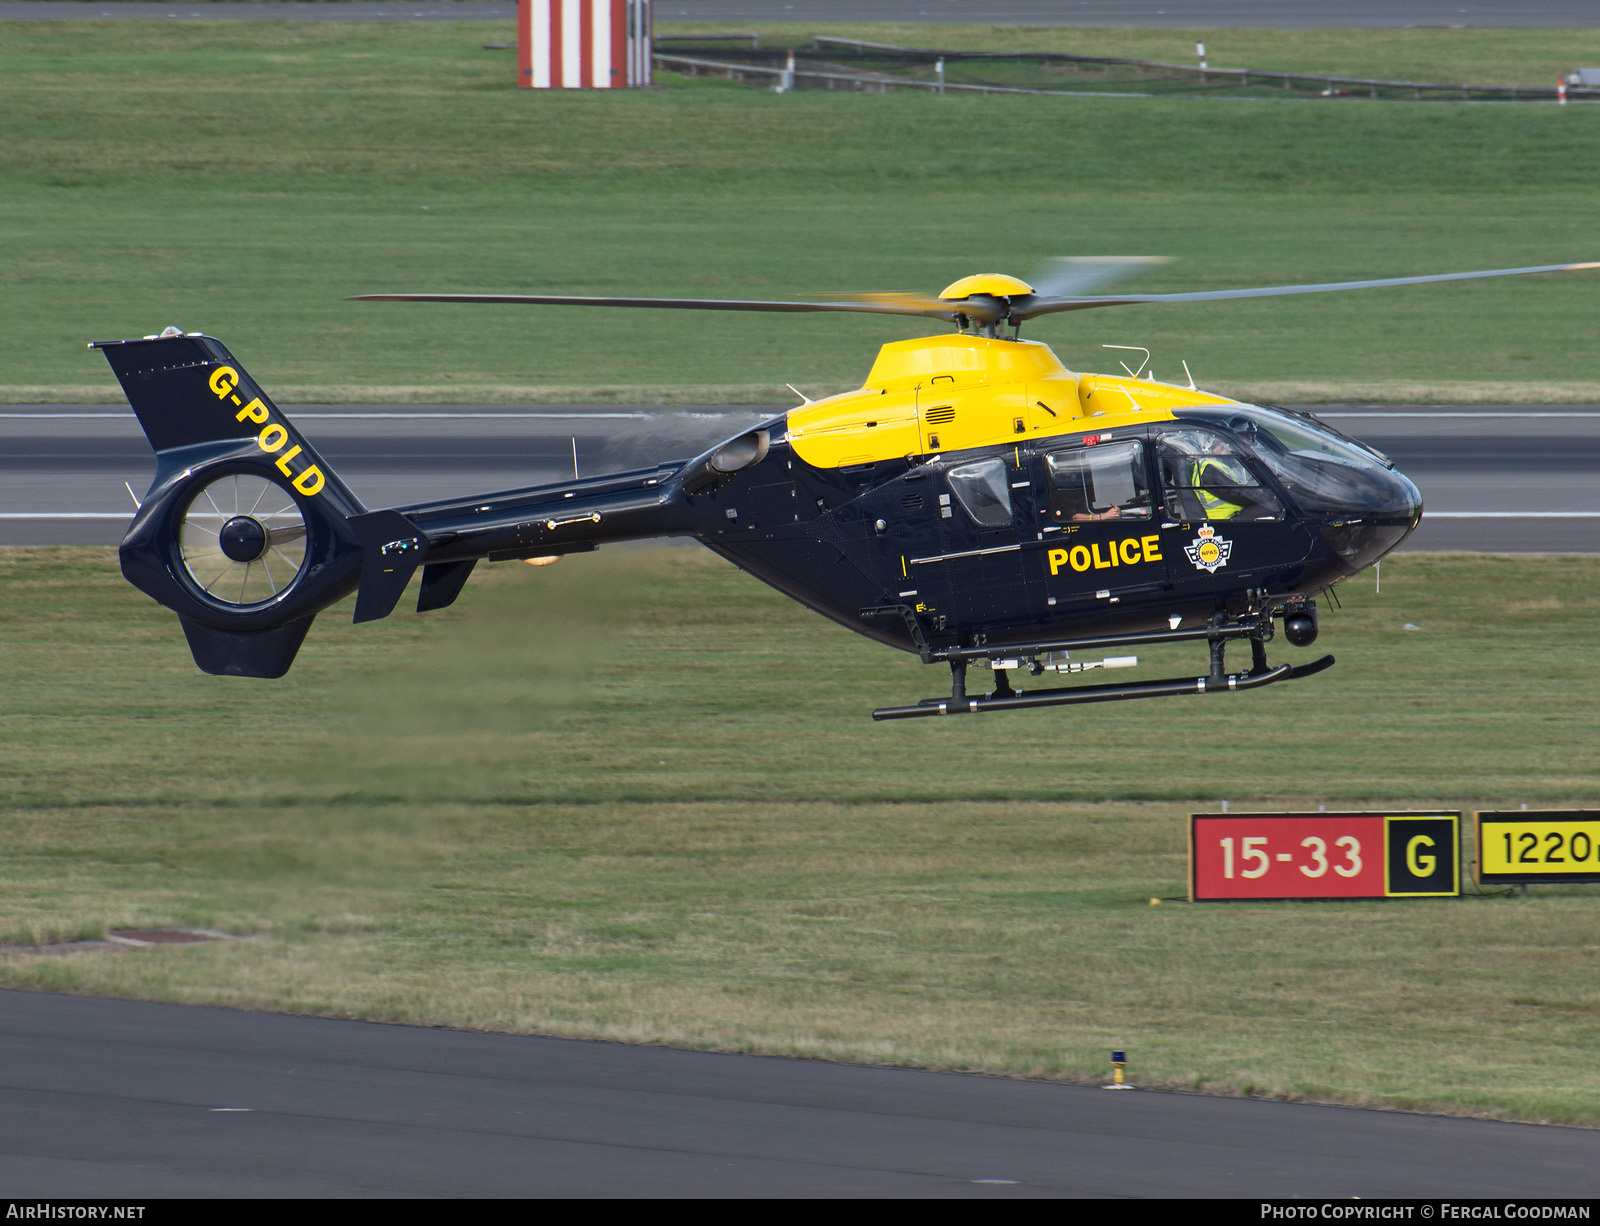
243,540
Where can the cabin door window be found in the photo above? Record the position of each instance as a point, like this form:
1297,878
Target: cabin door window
984,492
1106,481
1206,480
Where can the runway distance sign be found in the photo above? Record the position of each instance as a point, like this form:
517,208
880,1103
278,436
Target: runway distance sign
1538,845
1323,855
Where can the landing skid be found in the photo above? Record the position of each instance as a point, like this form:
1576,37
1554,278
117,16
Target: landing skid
1004,698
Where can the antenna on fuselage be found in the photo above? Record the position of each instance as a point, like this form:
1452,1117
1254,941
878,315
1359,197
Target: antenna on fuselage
1132,374
804,399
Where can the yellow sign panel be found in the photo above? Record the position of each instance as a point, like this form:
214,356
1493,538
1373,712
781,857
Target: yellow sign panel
1539,845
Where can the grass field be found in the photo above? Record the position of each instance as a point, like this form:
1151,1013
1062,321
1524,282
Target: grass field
244,178
638,796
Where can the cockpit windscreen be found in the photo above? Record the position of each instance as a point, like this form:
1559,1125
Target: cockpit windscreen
1322,471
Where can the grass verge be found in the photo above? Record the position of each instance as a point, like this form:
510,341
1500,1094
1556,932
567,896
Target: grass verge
636,796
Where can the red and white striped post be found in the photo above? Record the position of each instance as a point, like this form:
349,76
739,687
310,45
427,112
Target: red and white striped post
583,44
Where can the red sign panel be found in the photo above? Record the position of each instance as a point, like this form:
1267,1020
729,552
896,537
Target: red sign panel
1322,855
1309,855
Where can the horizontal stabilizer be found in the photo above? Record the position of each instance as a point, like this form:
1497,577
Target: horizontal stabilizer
391,551
442,583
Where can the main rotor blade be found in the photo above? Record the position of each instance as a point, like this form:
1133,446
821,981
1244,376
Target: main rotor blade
918,302
983,308
1071,276
1046,306
874,304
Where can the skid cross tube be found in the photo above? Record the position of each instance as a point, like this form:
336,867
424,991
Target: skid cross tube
1237,630
959,703
1256,626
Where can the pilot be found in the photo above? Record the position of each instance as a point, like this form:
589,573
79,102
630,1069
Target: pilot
1211,474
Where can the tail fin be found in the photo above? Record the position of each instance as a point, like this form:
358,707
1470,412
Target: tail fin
246,532
189,391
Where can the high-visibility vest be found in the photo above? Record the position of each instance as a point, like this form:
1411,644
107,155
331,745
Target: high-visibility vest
1215,506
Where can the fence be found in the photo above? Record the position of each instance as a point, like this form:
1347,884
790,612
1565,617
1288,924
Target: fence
756,66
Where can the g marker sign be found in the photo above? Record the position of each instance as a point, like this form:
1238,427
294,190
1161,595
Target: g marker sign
1323,855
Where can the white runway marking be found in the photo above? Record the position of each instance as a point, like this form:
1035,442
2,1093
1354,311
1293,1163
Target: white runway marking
1426,515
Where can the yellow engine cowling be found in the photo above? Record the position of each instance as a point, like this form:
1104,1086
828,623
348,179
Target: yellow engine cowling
941,393
951,393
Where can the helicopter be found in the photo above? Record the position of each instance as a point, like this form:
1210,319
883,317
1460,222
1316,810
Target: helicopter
975,502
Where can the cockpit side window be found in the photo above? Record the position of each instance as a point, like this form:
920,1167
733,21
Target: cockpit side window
1206,479
983,492
1106,481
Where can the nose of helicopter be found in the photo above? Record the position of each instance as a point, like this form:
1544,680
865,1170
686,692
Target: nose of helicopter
1382,508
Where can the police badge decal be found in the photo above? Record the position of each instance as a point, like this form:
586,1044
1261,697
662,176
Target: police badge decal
1209,552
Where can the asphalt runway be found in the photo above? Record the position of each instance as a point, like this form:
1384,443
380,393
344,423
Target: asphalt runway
127,1100
1171,14
1495,479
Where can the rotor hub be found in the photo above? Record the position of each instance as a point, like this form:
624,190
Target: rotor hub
994,284
243,538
